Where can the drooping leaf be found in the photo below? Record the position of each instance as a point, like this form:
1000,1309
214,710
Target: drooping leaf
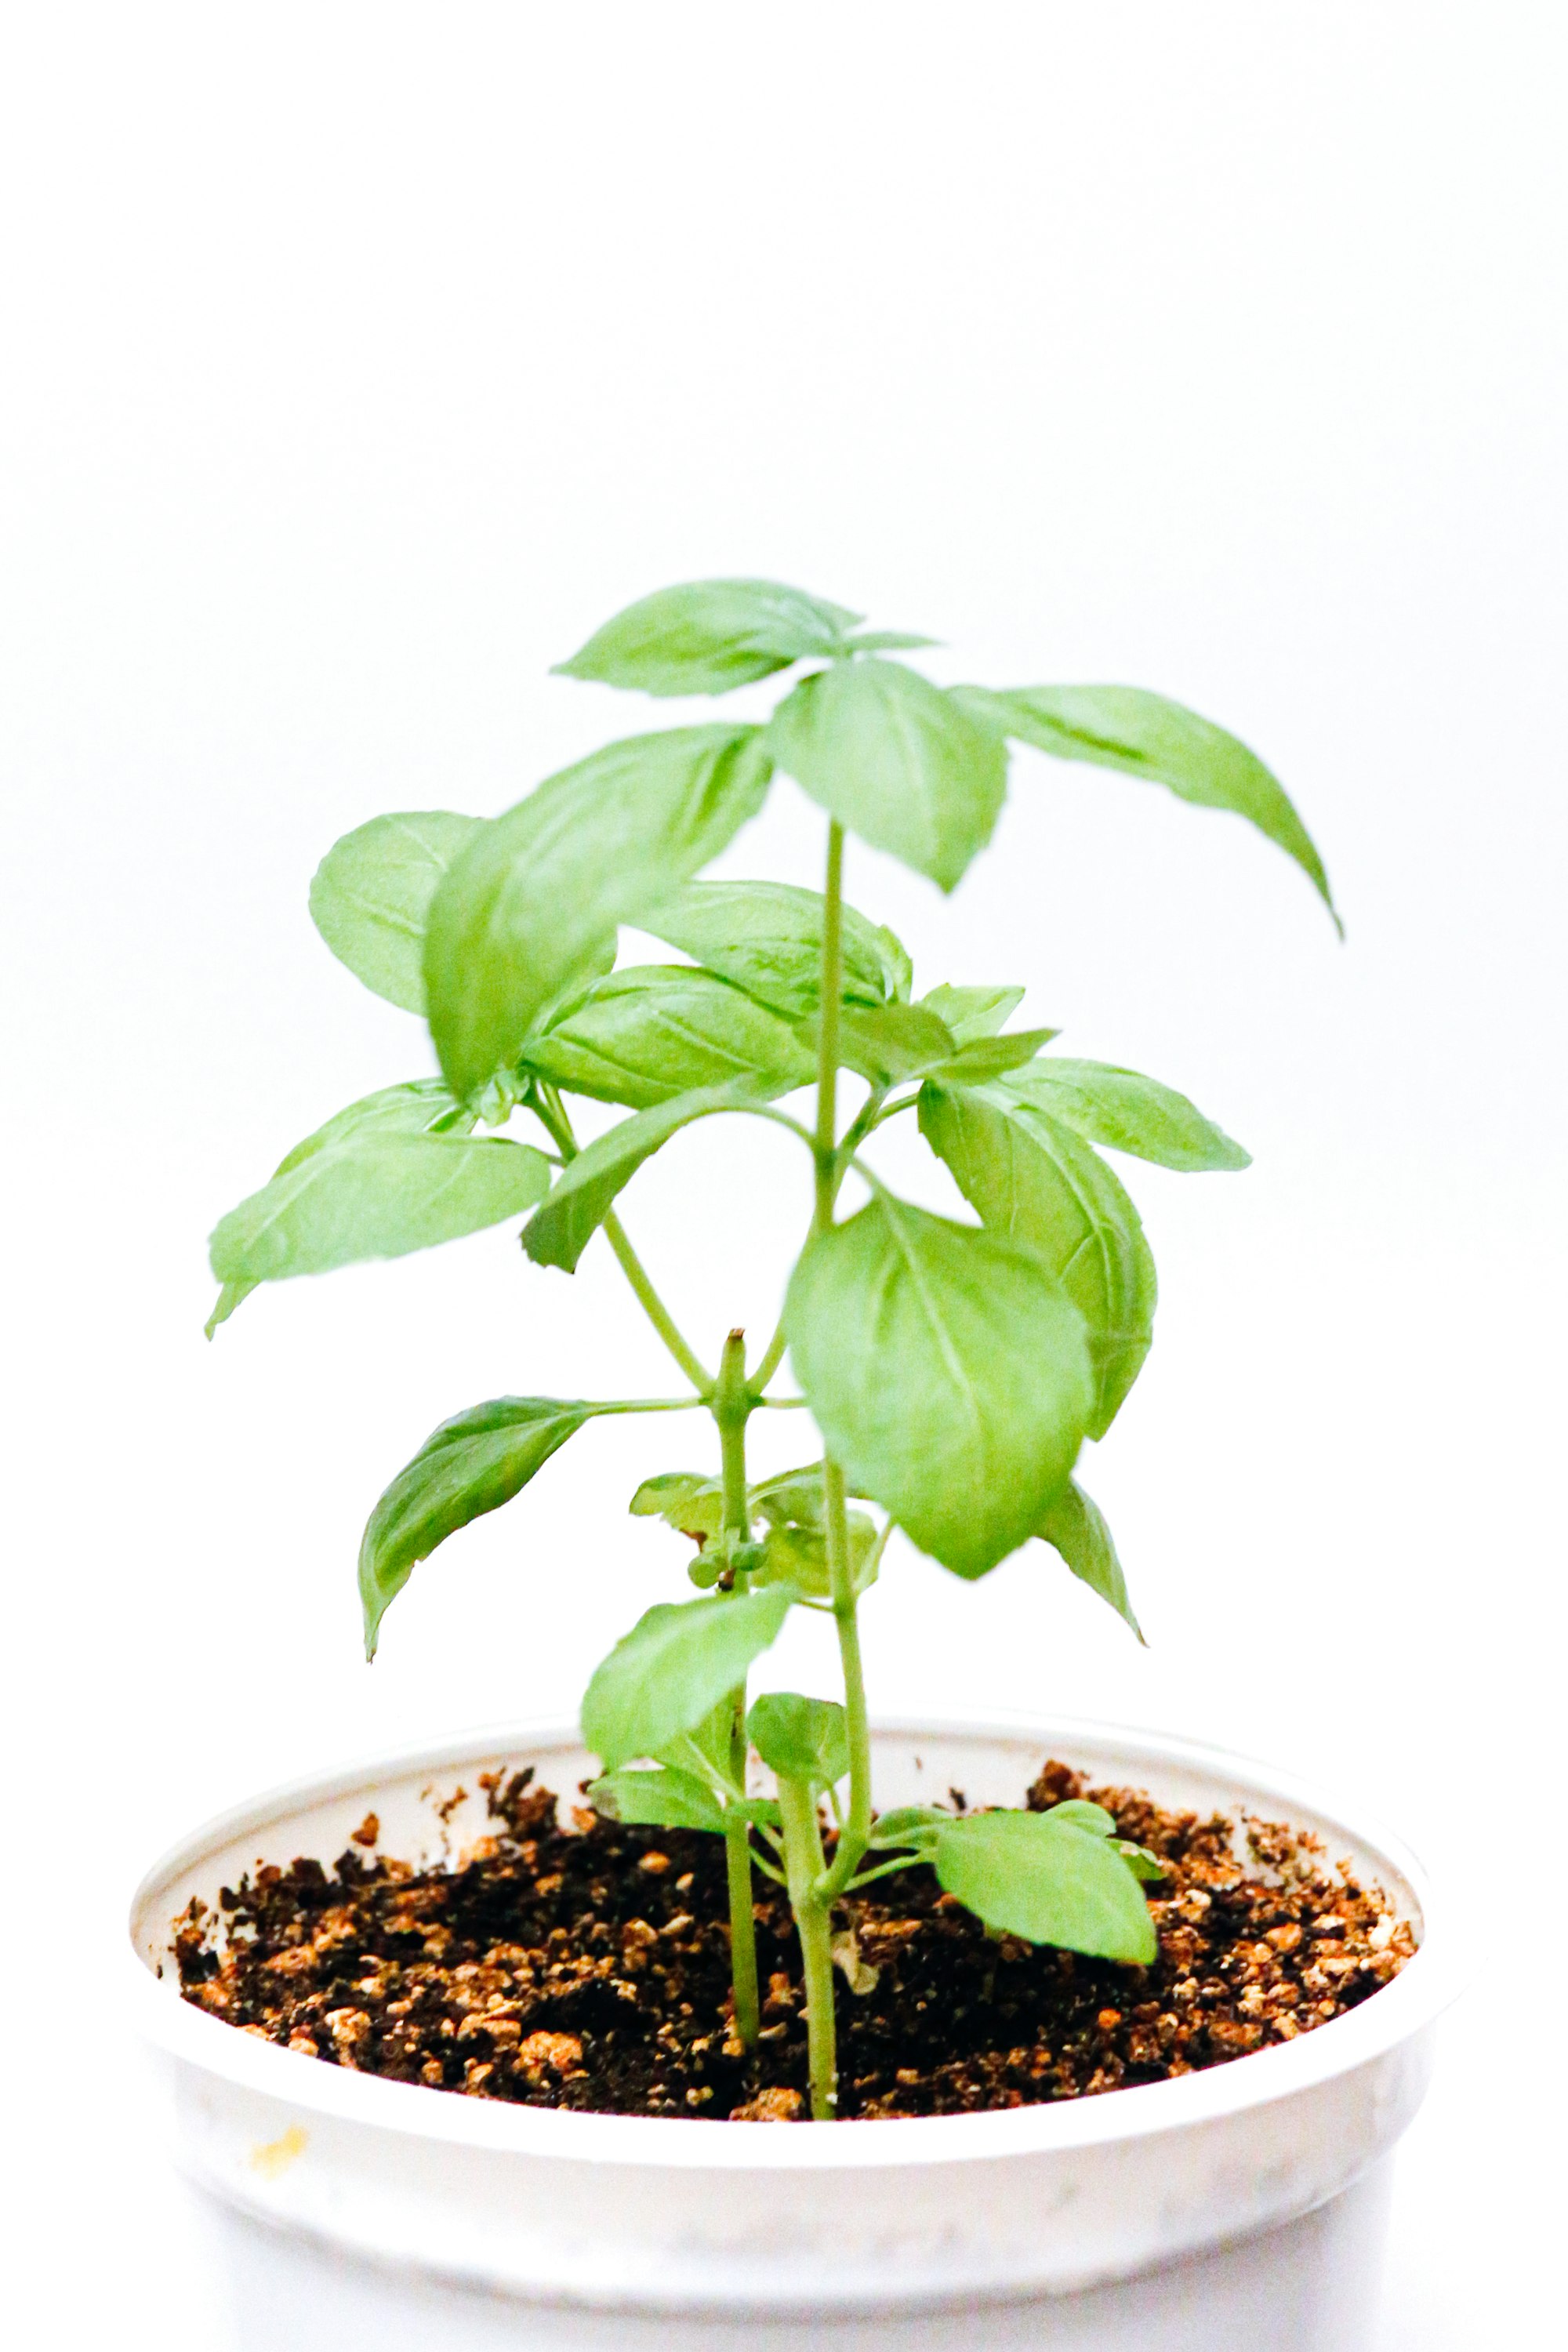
947,1370
663,1797
896,761
684,1500
800,1738
470,1465
709,636
1048,1881
767,936
577,1207
798,1555
655,1031
372,892
677,1663
1144,734
972,1013
1127,1112
1032,1178
378,1180
530,905
1074,1527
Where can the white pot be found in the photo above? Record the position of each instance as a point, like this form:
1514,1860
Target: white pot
1238,2207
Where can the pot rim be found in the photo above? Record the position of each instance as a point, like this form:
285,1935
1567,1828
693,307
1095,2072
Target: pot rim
1397,2011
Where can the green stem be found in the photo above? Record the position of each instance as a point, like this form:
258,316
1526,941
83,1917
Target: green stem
551,1112
828,1029
731,1405
855,1835
803,1859
654,1308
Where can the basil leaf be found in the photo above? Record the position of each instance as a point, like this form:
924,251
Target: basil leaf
709,636
673,1668
885,641
538,893
684,1500
1144,734
971,1012
1032,1178
655,1031
372,892
911,1826
793,1554
1074,1528
665,1798
1143,1864
1127,1112
886,1043
800,1738
947,1370
587,1193
472,1465
1049,1881
767,936
1082,1816
378,1180
896,761
988,1057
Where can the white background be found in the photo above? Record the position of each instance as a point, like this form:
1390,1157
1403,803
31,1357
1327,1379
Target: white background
363,359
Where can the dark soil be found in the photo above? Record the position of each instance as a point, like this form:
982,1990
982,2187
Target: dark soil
587,1966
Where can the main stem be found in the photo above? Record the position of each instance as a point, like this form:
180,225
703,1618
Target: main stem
731,1405
812,1904
803,1869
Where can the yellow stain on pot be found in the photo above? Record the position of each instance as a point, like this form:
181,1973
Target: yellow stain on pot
275,2155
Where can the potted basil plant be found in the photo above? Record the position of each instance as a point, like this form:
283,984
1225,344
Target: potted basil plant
940,1941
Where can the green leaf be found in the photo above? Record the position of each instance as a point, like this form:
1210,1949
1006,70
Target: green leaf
886,1043
472,1465
767,936
1143,1864
800,1738
372,892
896,761
576,1209
885,641
376,1182
1144,734
1049,1881
1084,1816
1127,1112
533,900
665,1798
972,1013
232,1295
798,1555
673,1668
655,1031
1074,1528
947,1371
684,1500
989,1057
709,636
1032,1178
909,1825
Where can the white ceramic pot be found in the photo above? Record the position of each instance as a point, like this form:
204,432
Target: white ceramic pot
1240,2207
